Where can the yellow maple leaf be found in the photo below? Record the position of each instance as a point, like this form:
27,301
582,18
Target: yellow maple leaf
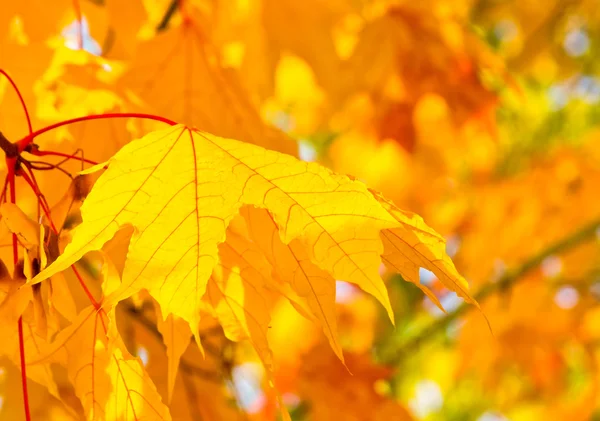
412,245
176,335
134,395
12,306
110,383
179,188
236,292
84,346
291,263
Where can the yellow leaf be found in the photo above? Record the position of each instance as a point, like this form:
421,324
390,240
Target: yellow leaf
84,348
179,188
235,291
176,335
20,224
111,281
42,404
110,384
134,396
292,265
12,305
60,298
414,245
30,234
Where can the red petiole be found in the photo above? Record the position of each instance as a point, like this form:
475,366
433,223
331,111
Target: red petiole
19,166
28,140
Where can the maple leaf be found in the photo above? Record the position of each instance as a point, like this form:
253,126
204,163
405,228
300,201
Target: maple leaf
291,262
110,383
236,293
132,385
414,245
275,33
12,306
188,83
332,391
244,247
180,188
84,345
176,334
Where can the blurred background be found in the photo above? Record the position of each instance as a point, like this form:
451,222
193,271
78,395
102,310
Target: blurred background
482,116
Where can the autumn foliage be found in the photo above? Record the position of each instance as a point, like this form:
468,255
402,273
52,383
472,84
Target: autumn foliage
305,210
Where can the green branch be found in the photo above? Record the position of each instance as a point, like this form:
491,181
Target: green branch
582,235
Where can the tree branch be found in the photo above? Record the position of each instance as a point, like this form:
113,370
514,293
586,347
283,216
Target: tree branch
584,234
164,23
537,40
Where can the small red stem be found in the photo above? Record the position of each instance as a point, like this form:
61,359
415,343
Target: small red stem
29,139
11,162
63,155
14,85
85,288
31,181
10,181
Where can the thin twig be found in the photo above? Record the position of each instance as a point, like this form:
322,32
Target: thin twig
164,23
46,166
584,234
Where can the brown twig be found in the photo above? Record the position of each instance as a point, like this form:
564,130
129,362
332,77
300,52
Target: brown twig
164,23
10,149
